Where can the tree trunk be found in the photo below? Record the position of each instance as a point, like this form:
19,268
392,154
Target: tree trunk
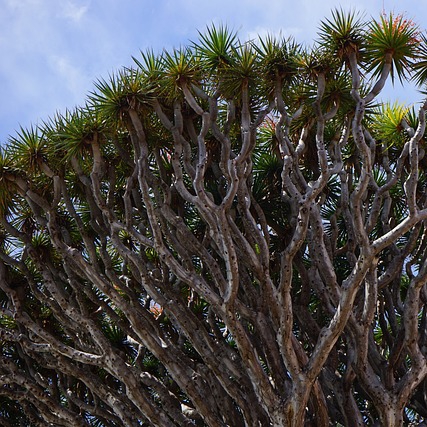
391,416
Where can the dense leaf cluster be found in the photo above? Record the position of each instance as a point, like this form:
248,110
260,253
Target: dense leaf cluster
229,234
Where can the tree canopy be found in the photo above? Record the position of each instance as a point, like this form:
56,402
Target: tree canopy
232,233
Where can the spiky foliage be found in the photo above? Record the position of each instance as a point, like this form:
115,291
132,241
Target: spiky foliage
179,67
388,124
393,39
244,72
229,234
318,61
8,172
343,34
75,132
215,47
419,65
29,149
279,61
124,90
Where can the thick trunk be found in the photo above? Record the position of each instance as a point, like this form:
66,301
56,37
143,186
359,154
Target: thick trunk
293,412
391,416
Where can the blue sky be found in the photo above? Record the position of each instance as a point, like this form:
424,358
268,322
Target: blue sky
53,50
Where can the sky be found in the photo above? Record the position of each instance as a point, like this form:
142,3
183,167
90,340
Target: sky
52,51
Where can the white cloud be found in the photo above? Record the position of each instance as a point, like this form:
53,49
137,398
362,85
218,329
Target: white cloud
72,78
23,4
74,11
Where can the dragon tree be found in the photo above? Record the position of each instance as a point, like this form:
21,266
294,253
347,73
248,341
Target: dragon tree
232,233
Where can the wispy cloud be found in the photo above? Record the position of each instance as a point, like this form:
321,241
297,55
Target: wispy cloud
73,10
72,77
